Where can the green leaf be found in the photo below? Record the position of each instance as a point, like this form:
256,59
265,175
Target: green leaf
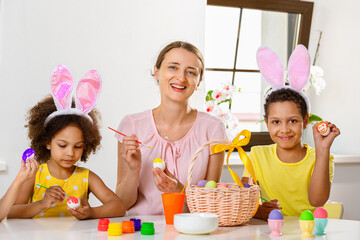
208,96
314,118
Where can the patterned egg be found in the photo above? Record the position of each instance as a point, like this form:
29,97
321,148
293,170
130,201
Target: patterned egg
158,162
73,202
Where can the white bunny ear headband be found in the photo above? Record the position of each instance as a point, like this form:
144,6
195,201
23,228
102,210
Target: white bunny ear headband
298,70
87,93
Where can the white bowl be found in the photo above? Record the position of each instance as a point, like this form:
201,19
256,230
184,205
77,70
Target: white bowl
196,223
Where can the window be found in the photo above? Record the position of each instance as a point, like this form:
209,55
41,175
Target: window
235,29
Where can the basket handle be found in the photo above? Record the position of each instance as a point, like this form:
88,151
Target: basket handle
192,162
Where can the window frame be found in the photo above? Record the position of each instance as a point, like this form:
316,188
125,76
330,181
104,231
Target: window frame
303,8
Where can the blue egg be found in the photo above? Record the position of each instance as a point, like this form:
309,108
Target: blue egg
276,214
246,185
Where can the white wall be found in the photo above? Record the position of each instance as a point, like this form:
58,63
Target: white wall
339,102
119,38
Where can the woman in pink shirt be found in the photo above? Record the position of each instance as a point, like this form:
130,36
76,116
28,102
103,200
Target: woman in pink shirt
174,130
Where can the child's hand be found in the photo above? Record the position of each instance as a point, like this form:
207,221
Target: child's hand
325,142
267,207
83,212
53,194
131,152
165,181
27,171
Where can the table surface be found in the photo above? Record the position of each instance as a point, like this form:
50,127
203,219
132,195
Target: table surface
71,228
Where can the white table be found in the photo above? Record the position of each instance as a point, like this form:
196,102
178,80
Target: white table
70,228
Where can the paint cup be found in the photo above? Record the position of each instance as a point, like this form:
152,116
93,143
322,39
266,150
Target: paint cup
173,204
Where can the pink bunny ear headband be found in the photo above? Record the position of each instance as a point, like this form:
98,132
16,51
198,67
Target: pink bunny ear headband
87,93
298,70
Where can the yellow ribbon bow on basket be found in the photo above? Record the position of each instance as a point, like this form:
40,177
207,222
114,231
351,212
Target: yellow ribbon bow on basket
237,143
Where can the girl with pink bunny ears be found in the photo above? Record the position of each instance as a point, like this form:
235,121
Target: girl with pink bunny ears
291,174
61,134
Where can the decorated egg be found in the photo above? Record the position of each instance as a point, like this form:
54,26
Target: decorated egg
28,153
323,128
222,185
307,215
320,212
211,184
246,185
159,163
73,202
202,183
276,214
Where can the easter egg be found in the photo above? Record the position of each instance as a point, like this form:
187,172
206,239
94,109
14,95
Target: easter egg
276,214
202,183
158,162
222,185
246,185
211,184
323,128
28,153
73,202
320,212
307,215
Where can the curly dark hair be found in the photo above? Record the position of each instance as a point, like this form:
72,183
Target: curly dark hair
284,95
40,135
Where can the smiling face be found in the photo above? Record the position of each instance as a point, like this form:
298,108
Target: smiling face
179,75
66,147
285,124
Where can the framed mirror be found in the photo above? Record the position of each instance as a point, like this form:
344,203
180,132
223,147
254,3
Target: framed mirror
235,29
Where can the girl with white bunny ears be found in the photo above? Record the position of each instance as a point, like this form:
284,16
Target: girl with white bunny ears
61,136
291,174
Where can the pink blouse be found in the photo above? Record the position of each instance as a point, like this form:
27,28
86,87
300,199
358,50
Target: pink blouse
177,155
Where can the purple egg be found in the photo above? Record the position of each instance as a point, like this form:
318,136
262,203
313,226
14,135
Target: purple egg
246,185
276,214
27,153
202,183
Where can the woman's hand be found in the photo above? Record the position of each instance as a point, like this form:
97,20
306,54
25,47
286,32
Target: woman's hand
53,194
266,207
83,212
130,152
165,181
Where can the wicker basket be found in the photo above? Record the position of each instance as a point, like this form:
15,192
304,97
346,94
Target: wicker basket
233,205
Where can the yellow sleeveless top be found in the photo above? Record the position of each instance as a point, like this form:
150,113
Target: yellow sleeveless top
76,185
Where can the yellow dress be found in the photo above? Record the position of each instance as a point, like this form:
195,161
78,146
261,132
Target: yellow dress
76,185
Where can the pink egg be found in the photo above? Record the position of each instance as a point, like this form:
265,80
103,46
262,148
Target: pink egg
222,185
320,212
